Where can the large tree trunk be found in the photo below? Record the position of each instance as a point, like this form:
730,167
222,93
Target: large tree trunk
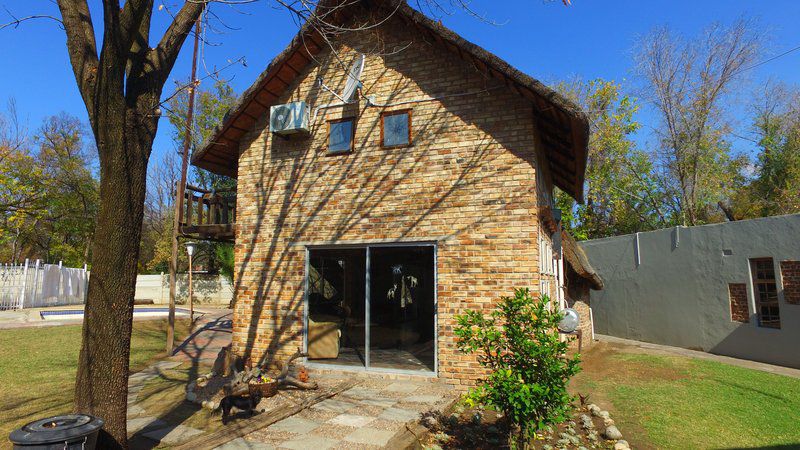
102,382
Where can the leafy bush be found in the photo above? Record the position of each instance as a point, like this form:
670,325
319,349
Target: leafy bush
519,343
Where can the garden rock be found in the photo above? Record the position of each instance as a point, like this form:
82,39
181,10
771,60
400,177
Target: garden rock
608,422
612,433
603,415
594,409
430,422
622,445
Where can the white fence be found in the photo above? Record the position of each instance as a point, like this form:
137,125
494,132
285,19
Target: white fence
36,285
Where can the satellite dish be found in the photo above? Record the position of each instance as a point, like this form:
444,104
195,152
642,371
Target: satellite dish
570,321
353,79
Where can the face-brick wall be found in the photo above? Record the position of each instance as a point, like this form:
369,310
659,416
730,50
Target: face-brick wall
738,297
467,182
790,274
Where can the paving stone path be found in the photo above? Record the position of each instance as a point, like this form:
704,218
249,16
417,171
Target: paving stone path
365,417
212,332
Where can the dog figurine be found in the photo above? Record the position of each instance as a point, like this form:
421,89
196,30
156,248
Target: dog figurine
247,404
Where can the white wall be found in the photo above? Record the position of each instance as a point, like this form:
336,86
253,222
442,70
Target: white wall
208,289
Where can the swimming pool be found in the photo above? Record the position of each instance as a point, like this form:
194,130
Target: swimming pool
71,314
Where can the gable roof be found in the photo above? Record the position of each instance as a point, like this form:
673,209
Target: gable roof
563,127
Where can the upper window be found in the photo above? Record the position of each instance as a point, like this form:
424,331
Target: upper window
766,292
396,128
340,135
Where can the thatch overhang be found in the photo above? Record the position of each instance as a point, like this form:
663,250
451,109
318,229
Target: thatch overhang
576,258
563,127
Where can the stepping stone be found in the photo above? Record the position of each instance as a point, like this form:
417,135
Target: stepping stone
141,423
166,365
380,402
405,388
243,444
295,424
399,414
360,393
309,442
427,399
370,436
334,405
172,435
135,410
351,420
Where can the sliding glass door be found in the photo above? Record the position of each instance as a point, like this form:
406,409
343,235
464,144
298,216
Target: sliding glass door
373,307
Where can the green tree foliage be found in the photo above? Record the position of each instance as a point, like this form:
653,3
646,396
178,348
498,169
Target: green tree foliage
528,366
210,108
775,188
50,194
211,105
622,191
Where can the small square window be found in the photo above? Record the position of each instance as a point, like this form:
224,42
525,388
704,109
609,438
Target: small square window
340,135
396,128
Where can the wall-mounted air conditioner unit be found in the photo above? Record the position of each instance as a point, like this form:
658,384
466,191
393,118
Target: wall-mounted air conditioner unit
289,118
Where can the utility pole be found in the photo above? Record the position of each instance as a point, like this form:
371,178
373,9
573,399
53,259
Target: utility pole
179,193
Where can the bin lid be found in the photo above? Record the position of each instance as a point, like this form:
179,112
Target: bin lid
56,429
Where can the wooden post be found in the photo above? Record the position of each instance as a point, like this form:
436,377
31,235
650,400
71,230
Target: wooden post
179,192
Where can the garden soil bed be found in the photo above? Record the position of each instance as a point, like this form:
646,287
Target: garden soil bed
477,428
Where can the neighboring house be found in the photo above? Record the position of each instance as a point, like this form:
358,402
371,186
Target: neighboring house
730,288
430,193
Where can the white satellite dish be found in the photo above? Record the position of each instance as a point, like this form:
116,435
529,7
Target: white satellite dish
353,79
570,321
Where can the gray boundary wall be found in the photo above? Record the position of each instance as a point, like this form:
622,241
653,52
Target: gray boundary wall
671,287
208,289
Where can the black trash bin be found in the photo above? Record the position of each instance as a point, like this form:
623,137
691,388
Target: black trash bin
67,432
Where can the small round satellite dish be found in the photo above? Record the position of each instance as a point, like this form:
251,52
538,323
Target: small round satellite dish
353,79
570,321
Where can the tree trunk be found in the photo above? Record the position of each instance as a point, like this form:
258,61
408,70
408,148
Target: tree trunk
101,387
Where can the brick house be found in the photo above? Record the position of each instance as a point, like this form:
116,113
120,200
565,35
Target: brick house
430,192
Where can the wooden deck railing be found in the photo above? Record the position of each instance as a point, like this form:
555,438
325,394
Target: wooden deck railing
208,214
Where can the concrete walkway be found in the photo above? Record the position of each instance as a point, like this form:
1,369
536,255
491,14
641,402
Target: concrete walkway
667,350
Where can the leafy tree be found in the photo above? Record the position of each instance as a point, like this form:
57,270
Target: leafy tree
50,195
529,369
775,188
622,192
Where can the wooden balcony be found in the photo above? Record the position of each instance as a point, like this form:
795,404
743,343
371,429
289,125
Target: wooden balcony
209,215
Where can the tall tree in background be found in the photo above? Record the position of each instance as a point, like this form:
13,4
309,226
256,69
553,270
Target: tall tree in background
691,83
622,195
775,188
50,193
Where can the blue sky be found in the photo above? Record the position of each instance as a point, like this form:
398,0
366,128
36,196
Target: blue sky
590,39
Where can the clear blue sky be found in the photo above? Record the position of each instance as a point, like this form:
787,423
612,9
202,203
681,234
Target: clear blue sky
592,38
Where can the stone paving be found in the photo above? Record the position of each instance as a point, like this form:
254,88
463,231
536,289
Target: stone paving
212,332
366,416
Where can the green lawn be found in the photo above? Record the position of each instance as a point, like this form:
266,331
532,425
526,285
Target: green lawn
38,366
674,402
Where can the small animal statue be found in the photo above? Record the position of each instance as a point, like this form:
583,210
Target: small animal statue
302,374
246,403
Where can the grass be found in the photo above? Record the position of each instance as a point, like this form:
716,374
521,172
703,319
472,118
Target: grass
38,367
673,402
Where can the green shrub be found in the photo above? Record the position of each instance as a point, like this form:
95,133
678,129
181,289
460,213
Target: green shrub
519,343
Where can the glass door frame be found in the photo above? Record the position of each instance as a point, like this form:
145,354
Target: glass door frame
367,247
